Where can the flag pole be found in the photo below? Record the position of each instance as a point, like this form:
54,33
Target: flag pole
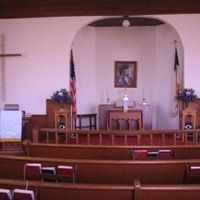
177,84
73,86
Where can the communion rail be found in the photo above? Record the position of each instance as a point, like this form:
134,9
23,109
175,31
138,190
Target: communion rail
113,137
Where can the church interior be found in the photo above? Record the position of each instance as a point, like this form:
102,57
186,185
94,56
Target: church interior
99,100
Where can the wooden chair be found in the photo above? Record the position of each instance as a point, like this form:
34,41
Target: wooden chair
5,194
86,121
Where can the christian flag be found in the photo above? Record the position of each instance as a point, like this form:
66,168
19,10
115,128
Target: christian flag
176,60
73,85
177,71
177,80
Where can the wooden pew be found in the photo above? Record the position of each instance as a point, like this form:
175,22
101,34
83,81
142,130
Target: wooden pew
63,191
105,152
166,192
136,191
106,171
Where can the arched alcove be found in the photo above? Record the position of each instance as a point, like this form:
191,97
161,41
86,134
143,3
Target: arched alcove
96,48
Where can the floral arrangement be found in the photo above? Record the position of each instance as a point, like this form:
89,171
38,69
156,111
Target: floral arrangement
186,95
62,96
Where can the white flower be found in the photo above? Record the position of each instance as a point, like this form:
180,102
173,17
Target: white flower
60,94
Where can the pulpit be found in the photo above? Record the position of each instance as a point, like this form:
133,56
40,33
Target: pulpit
58,114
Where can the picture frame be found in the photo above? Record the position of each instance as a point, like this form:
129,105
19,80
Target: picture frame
125,74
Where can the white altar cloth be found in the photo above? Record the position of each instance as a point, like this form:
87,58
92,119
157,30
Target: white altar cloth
10,126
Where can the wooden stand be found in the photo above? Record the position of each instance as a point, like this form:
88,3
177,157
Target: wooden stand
56,112
191,114
60,119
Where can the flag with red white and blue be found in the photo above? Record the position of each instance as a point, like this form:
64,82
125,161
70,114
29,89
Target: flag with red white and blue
73,85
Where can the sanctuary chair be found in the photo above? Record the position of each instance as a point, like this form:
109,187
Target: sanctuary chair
86,121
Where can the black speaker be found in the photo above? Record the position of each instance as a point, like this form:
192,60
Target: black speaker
61,125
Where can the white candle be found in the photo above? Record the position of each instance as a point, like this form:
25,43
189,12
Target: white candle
143,94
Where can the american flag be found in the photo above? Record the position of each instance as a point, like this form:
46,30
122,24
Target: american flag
73,85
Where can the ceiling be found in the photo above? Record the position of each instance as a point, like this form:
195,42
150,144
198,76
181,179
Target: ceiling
52,8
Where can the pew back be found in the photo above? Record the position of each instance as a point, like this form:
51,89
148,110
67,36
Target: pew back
63,191
167,192
136,191
106,171
105,152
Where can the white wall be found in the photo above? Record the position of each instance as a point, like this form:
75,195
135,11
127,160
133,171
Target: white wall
152,48
124,44
84,60
45,45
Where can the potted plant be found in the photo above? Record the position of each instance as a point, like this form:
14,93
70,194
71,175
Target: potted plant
62,96
186,96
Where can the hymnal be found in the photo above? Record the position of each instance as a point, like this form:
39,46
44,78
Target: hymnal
20,194
33,167
194,170
66,173
49,173
165,153
152,154
5,194
139,154
65,170
33,171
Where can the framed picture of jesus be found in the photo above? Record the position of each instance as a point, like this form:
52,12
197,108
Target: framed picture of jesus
125,74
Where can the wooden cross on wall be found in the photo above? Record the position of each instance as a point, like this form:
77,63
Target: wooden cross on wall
10,55
2,66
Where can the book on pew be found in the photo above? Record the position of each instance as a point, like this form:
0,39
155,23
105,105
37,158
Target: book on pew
48,174
194,170
20,194
33,171
5,194
66,173
165,153
152,154
139,154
